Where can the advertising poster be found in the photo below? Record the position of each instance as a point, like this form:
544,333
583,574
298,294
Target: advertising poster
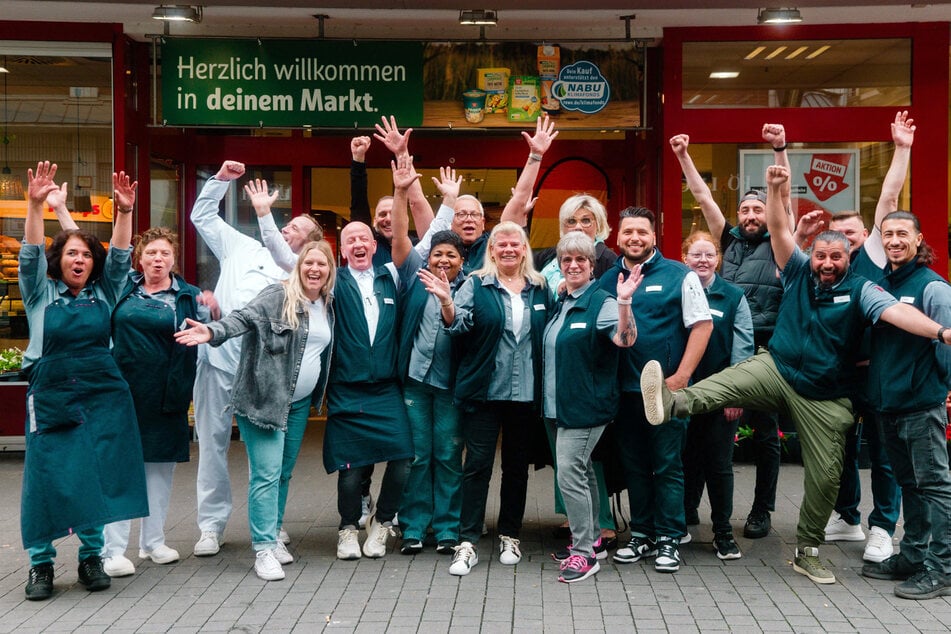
821,179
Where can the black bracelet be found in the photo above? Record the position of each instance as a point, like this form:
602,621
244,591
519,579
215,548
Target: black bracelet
941,334
780,149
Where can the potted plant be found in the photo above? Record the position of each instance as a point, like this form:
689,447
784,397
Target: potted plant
11,361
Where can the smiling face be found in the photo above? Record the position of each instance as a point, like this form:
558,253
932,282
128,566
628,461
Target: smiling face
508,251
576,269
582,220
314,273
829,262
702,259
157,261
383,217
901,241
853,229
445,258
751,218
297,232
635,239
76,264
469,221
357,245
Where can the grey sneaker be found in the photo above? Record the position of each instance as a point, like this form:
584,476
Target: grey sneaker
895,568
658,400
927,584
807,563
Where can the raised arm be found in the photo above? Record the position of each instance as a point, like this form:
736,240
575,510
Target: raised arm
40,185
781,236
626,333
903,134
398,144
518,206
712,213
124,189
262,201
775,135
404,176
359,203
57,202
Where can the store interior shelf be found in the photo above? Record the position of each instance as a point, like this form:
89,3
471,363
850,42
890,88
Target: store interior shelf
616,115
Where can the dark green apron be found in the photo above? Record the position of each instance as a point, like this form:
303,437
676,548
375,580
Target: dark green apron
83,466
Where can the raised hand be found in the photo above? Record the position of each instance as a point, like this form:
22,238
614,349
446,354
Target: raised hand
230,170
448,183
626,288
438,286
679,144
56,199
41,182
261,200
544,134
774,134
404,175
776,175
124,189
358,148
903,130
390,136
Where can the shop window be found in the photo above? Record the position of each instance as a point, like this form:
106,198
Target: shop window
797,73
831,177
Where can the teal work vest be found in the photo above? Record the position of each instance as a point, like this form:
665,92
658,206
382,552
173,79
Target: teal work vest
355,360
723,298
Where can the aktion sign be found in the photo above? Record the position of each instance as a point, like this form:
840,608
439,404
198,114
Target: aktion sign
290,83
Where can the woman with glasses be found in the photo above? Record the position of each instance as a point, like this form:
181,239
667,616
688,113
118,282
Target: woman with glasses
708,456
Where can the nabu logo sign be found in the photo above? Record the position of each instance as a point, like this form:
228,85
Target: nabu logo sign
582,87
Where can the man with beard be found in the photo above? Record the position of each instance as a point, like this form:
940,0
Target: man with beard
748,262
674,325
809,369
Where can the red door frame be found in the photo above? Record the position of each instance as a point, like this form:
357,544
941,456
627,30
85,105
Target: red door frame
929,89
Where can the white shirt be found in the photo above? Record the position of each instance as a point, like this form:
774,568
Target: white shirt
371,309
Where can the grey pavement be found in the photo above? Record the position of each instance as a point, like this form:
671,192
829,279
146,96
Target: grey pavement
398,593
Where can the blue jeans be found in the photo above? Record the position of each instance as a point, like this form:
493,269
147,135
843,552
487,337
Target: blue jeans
433,492
653,469
91,542
708,459
272,455
917,447
886,494
481,424
350,490
578,484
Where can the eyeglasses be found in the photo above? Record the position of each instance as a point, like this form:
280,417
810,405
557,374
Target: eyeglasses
584,222
462,215
702,256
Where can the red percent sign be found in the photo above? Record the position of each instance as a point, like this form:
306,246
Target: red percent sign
826,175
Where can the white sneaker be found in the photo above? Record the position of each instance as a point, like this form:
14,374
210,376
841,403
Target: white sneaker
283,537
283,555
348,547
879,546
463,559
366,509
686,539
118,566
209,544
377,534
267,567
161,554
838,530
509,554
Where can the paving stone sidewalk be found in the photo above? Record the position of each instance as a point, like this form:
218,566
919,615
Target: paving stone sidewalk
759,592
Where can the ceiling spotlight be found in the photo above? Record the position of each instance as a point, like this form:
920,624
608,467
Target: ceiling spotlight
778,16
481,17
177,13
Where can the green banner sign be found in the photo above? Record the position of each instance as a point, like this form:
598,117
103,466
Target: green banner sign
290,83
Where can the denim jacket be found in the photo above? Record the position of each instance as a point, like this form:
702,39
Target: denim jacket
271,354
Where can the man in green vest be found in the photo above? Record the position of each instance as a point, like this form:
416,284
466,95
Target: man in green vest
809,369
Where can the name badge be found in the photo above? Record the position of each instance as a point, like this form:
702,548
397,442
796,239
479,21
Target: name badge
842,299
904,299
716,313
654,289
539,307
388,300
579,326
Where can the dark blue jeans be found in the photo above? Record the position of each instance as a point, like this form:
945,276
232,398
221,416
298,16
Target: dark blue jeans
917,447
350,490
653,469
767,448
481,424
886,494
708,459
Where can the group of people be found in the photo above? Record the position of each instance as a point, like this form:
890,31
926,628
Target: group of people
427,350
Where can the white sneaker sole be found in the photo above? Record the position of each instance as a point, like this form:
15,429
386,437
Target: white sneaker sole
459,572
170,558
652,378
814,579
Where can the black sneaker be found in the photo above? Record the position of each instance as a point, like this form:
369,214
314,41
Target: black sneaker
446,546
926,584
600,549
92,575
757,525
895,568
638,548
726,547
39,585
692,516
668,556
411,547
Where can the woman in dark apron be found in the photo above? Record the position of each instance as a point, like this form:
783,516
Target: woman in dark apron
160,373
83,465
